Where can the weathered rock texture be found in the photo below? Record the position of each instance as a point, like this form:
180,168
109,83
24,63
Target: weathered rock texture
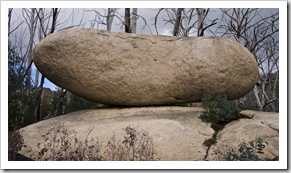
264,125
177,132
135,70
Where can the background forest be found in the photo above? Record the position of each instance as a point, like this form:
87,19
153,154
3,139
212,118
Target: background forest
32,98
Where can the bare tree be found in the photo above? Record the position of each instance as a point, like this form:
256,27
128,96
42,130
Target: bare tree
9,22
109,18
202,14
9,19
266,90
177,21
259,34
54,16
186,21
134,18
127,20
40,37
31,21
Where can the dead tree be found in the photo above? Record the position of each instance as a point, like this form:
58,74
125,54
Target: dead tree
259,34
127,20
177,22
186,21
54,16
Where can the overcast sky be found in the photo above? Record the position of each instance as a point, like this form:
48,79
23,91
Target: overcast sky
86,18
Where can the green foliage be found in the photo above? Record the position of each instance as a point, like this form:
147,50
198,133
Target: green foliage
20,98
218,109
15,143
248,152
76,103
209,142
15,89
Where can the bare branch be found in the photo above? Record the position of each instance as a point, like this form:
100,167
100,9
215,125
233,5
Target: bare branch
177,22
16,27
156,20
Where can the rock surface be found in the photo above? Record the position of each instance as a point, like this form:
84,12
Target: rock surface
177,132
138,70
246,130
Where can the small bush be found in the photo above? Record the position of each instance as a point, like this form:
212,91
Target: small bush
59,144
209,142
73,103
218,109
15,143
136,146
248,152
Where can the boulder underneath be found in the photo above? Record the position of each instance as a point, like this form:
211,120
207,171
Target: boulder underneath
177,132
264,125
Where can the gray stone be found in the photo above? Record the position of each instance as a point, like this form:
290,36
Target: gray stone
177,132
138,70
246,130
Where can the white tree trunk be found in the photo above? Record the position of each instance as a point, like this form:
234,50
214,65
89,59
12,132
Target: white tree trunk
259,101
177,22
40,37
134,19
32,27
201,16
109,19
9,19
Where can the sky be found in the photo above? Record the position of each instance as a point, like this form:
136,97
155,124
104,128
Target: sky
87,18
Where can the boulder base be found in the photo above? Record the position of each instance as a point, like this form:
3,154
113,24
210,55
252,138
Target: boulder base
264,125
177,132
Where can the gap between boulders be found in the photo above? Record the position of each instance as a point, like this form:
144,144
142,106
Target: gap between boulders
217,127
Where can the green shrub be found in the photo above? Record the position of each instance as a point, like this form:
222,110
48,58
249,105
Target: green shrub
218,109
15,143
248,152
76,103
209,142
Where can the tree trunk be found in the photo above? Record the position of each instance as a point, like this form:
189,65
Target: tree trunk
201,16
36,78
109,18
54,20
40,37
177,22
32,28
39,98
127,20
259,101
9,20
134,17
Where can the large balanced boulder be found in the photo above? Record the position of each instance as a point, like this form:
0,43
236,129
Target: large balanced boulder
138,70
